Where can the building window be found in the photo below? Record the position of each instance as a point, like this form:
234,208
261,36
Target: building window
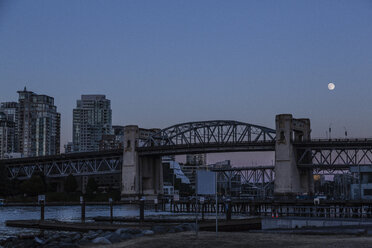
367,192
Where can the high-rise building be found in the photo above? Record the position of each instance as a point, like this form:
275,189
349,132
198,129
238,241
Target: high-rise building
10,109
113,141
91,120
38,125
7,135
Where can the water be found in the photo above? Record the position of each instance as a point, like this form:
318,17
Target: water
62,213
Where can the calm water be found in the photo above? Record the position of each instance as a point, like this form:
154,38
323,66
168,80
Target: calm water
63,213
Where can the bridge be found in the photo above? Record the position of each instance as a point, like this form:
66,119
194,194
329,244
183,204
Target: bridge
296,154
77,164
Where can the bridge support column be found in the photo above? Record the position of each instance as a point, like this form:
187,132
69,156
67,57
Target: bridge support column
151,176
130,180
141,175
289,179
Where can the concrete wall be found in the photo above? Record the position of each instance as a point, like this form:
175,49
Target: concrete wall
288,223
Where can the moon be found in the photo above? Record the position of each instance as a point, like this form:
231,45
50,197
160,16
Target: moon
331,86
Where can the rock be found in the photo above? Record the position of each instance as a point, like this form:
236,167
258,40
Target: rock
148,232
178,229
84,241
53,244
67,240
188,227
121,230
67,245
77,236
101,240
159,229
56,236
125,236
91,233
113,237
47,241
39,240
138,235
105,234
133,231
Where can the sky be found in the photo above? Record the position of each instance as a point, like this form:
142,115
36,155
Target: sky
167,62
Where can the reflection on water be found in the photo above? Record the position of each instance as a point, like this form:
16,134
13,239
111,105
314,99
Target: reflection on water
63,213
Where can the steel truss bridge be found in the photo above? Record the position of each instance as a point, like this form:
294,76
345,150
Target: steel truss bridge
208,137
335,154
202,137
77,164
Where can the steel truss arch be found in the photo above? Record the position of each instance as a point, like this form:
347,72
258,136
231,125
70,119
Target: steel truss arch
217,132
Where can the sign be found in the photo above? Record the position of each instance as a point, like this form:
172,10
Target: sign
81,199
176,197
201,199
206,182
110,200
41,198
155,201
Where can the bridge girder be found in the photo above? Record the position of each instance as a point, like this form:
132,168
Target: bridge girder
335,154
63,168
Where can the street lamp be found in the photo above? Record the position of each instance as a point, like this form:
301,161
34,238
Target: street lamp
345,132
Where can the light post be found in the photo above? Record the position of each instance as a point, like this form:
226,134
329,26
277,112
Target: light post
345,132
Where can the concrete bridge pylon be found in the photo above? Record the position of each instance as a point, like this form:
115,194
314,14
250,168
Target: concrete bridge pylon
289,179
142,176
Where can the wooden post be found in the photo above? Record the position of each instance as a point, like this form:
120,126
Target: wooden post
142,210
228,209
203,207
156,205
82,202
111,210
42,210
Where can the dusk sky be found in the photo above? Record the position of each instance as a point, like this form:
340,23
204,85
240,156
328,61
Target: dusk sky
166,62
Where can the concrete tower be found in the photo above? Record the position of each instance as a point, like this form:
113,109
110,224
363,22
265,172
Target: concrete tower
289,179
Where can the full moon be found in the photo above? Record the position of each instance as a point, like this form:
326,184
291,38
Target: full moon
331,86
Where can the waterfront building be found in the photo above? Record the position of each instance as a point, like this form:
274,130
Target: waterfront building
38,125
361,188
196,159
92,119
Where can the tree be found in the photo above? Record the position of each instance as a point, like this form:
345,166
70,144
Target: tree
70,184
91,185
33,186
5,184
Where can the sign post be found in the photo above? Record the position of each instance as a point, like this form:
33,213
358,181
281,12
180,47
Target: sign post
216,204
41,200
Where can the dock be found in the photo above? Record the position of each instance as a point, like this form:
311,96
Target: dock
206,225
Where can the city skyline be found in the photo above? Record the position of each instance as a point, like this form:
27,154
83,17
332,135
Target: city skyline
193,63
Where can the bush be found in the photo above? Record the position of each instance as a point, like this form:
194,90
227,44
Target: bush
92,186
70,184
33,186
